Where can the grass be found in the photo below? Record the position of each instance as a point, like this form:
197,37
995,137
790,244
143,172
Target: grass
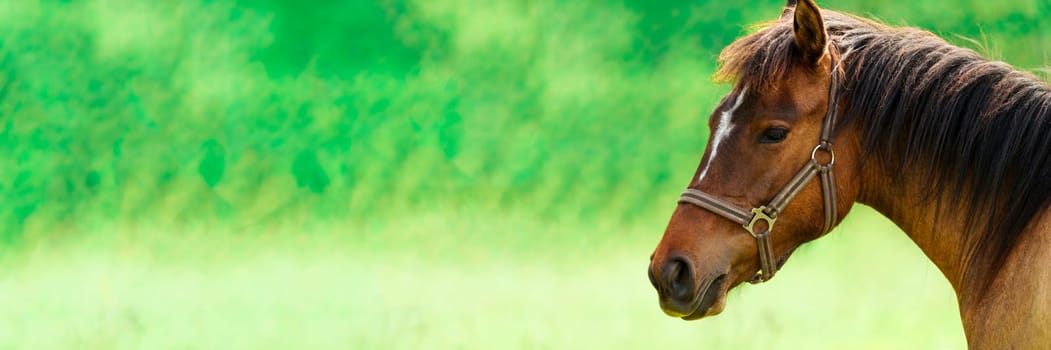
441,283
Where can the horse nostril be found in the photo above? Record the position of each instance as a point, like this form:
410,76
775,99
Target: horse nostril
678,278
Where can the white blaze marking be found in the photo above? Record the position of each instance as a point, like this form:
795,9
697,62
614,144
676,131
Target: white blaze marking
723,130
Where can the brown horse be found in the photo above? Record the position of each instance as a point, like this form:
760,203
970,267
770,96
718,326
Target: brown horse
829,109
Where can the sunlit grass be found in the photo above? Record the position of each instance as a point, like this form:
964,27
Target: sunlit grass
441,283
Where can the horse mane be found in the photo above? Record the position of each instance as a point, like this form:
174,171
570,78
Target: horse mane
975,132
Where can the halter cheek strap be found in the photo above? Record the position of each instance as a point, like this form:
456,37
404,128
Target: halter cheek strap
748,218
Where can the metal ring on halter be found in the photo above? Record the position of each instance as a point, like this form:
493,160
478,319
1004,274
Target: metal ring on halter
826,147
757,215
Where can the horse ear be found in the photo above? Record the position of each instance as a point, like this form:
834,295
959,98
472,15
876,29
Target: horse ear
811,38
788,9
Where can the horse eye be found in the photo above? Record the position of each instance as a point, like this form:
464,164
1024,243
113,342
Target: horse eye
773,135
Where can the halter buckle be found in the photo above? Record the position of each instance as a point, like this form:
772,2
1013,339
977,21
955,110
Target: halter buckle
760,214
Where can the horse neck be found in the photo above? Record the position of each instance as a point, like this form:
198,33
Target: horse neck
1007,317
937,233
997,300
941,222
937,225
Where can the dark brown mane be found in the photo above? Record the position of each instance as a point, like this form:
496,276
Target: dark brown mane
978,132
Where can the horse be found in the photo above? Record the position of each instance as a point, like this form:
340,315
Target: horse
828,109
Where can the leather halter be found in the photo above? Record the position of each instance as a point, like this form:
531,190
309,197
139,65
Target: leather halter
768,213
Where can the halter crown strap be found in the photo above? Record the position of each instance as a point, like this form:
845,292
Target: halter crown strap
768,213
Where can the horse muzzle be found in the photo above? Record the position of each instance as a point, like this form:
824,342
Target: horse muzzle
682,294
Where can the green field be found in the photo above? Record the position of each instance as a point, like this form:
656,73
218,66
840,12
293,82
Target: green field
417,174
439,282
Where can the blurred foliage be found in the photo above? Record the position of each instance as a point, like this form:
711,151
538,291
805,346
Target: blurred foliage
246,112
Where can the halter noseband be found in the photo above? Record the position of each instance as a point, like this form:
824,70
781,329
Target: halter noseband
769,212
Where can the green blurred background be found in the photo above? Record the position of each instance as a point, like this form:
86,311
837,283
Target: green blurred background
409,174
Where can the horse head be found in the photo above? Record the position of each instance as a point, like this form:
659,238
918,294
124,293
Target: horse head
771,150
